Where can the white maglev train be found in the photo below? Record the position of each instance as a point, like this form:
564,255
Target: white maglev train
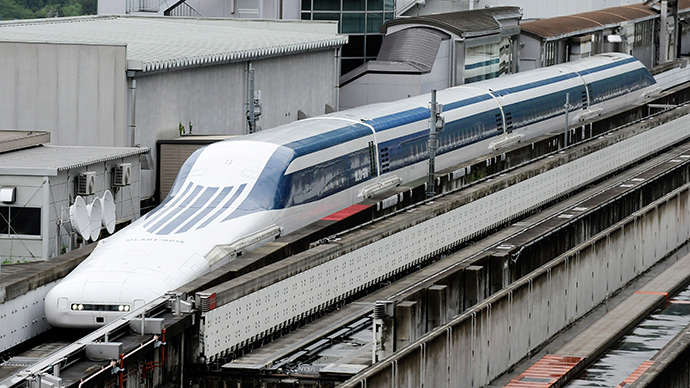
292,175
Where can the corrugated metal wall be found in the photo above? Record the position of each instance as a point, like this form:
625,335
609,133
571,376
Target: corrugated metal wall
77,92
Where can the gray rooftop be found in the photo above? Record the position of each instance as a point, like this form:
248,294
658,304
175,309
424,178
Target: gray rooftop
49,160
164,42
476,22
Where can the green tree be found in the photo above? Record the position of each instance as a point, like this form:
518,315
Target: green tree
27,9
9,10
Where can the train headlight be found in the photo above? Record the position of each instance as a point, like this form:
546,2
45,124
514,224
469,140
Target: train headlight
80,307
121,308
74,306
126,307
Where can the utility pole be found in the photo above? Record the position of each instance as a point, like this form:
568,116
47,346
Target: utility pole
436,124
253,102
567,110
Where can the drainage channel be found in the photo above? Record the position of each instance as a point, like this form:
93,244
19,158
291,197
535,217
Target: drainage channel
636,349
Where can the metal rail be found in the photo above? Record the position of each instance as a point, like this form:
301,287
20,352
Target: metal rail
47,364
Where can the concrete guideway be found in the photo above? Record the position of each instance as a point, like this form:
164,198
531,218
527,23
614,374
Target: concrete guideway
392,248
537,306
421,235
633,184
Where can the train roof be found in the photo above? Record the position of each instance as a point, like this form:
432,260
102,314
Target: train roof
332,129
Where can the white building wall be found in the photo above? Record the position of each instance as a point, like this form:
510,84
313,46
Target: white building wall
111,7
55,239
373,88
213,98
439,78
533,9
63,192
530,53
306,81
76,92
29,193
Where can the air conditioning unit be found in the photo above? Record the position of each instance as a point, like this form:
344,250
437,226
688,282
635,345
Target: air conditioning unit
86,183
122,174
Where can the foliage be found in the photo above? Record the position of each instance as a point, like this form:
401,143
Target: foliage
11,10
29,9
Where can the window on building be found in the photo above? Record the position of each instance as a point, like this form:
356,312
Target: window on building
550,54
643,34
20,220
360,19
488,61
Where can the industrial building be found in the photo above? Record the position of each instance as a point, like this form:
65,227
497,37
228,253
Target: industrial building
360,19
423,53
645,31
127,80
39,183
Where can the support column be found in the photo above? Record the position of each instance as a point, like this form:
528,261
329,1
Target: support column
436,310
474,285
405,324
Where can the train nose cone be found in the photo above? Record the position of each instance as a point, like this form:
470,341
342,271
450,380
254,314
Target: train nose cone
57,305
77,303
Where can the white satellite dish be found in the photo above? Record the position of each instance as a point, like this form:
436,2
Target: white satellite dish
108,219
79,218
95,214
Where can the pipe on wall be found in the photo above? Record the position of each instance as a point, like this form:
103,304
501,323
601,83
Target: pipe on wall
131,109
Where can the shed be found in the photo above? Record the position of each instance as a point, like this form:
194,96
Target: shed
39,182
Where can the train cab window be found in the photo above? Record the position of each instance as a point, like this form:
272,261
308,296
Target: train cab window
20,220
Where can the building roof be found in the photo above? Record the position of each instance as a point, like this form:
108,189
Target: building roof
415,46
379,67
564,26
463,23
165,43
49,160
11,140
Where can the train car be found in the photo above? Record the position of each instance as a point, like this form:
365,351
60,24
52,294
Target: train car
246,190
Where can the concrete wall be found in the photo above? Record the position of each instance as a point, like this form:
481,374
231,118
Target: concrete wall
671,368
76,92
23,317
213,98
477,346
